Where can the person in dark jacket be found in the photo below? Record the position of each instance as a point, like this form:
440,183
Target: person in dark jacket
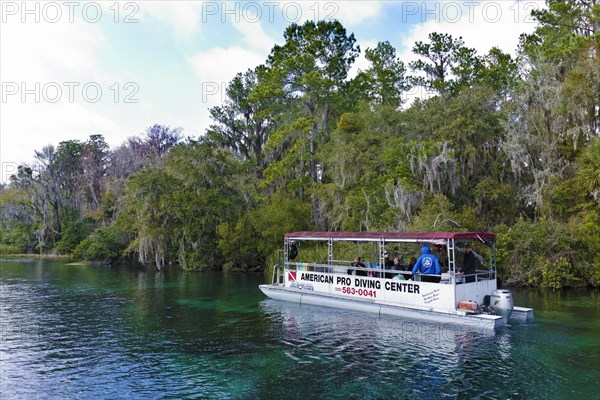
428,264
358,268
388,265
469,262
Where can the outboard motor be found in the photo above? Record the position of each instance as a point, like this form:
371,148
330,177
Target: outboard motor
502,303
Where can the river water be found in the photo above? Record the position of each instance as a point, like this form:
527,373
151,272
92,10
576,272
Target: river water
118,332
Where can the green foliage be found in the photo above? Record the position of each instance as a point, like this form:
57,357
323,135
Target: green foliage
20,237
17,227
448,65
438,215
549,253
277,217
384,81
10,249
174,211
565,26
556,275
105,244
258,235
563,198
239,245
243,123
306,76
588,173
74,231
587,229
496,202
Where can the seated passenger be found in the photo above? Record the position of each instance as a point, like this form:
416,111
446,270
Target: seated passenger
409,268
428,264
387,265
360,267
411,264
396,266
442,254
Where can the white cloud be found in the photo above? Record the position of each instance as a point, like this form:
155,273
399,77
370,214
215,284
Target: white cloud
183,18
34,51
254,36
352,13
43,55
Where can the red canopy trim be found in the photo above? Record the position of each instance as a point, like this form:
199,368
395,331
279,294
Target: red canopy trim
405,236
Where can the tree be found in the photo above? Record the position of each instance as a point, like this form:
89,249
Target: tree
310,69
93,164
160,139
174,211
17,221
565,27
555,110
568,37
384,81
258,234
243,123
589,169
448,65
128,158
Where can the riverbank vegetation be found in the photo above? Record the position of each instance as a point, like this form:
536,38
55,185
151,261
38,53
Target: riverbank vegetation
492,142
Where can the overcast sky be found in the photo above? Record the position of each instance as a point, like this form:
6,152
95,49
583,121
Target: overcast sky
72,69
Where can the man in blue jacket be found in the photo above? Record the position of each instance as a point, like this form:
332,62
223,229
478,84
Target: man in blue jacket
428,264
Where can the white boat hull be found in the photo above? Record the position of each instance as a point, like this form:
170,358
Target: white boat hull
475,322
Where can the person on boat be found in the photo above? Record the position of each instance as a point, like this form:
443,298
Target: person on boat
411,264
408,271
396,266
442,255
387,265
360,268
428,264
469,262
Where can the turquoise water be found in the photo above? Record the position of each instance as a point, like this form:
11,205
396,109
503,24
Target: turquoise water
124,332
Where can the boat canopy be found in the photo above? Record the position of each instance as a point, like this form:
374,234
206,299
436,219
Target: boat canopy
391,236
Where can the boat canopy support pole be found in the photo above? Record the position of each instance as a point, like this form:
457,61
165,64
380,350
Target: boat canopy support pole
493,259
286,252
452,260
330,251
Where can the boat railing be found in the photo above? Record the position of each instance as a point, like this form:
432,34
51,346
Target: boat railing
341,262
479,275
277,272
484,274
315,267
374,270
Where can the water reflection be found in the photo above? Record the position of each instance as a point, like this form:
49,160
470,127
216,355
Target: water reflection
392,355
